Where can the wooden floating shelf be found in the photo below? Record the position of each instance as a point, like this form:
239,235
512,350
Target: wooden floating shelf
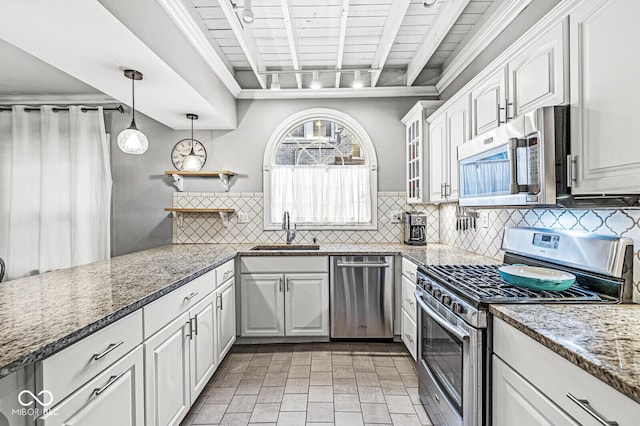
212,173
188,210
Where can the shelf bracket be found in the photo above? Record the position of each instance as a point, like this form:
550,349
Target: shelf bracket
178,182
178,217
224,216
225,182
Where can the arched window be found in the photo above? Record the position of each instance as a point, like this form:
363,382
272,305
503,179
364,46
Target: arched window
320,165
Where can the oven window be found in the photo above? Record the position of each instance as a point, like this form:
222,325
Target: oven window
442,352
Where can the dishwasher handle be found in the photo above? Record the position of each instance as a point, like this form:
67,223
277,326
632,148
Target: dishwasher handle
361,265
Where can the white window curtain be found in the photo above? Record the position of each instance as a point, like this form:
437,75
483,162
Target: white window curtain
321,194
55,189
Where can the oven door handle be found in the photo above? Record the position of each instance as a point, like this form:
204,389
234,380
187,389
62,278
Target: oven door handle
460,334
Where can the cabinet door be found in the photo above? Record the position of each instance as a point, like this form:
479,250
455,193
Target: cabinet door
307,304
261,300
437,158
518,402
167,373
537,75
114,397
604,96
487,99
203,344
409,334
414,152
457,133
226,295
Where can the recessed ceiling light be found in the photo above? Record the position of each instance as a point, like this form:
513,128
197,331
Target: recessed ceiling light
315,81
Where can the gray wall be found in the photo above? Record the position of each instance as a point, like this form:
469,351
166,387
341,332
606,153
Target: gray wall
141,190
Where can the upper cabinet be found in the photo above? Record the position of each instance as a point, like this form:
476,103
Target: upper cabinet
604,97
487,99
437,157
416,151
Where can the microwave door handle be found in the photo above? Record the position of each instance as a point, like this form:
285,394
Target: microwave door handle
513,160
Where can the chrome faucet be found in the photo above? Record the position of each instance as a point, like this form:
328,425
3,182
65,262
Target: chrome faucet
286,225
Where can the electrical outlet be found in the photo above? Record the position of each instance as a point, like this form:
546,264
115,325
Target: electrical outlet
484,219
243,217
396,217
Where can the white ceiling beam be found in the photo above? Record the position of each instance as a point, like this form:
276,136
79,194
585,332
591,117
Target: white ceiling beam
448,13
291,36
332,93
343,35
389,32
246,41
495,20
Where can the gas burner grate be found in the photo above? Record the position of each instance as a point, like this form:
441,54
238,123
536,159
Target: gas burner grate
484,283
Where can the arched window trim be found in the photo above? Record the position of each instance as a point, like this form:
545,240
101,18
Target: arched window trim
371,161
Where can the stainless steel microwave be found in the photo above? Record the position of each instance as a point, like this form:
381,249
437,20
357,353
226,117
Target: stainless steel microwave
525,162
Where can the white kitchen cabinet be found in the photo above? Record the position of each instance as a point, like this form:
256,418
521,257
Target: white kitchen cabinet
518,402
605,142
408,314
114,397
438,158
279,305
542,382
458,132
202,351
417,152
306,305
487,99
226,317
167,385
262,305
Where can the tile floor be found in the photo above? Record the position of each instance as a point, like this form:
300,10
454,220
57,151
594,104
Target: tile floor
340,383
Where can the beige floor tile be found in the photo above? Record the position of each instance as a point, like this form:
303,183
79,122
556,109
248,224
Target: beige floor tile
282,356
301,358
220,396
321,378
343,372
320,393
364,366
393,387
255,372
413,394
210,414
236,419
321,365
371,394
375,413
345,386
405,420
242,404
249,387
299,372
278,367
320,412
367,379
227,380
422,414
399,404
341,359
382,361
348,419
265,413
320,355
188,419
292,418
262,360
270,394
409,380
297,386
294,402
388,373
346,402
275,379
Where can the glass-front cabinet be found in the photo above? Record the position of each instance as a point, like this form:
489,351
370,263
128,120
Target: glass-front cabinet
417,151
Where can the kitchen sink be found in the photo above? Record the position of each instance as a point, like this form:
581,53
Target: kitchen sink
282,247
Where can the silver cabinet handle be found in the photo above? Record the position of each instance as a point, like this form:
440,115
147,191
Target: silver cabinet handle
287,283
195,325
408,338
280,285
361,265
442,190
112,380
226,273
112,347
584,404
191,296
409,301
190,333
460,334
220,298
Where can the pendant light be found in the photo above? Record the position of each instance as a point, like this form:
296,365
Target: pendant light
247,12
192,163
131,140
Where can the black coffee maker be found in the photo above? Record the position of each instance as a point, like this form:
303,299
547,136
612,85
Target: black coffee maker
415,224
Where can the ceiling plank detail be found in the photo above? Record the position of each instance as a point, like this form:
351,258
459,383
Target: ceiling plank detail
291,36
246,41
388,37
343,35
447,15
337,93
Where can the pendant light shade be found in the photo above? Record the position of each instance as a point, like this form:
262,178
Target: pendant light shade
192,163
247,12
131,140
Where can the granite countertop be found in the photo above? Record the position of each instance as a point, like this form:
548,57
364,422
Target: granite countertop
43,314
600,339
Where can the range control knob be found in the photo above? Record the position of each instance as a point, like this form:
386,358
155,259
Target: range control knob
446,299
427,285
436,293
457,308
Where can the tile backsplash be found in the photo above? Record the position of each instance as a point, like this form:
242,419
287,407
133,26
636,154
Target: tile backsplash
487,241
208,228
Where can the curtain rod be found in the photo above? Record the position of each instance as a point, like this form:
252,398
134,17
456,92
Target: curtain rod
119,108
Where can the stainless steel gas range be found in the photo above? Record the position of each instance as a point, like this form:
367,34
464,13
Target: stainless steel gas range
454,325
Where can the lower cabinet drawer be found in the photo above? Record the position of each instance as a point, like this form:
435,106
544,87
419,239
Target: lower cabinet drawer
409,334
224,272
67,370
115,397
409,297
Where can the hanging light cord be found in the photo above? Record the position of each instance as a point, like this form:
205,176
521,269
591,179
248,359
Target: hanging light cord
133,97
192,153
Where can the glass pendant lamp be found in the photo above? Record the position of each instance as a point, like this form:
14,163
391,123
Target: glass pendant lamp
192,163
131,140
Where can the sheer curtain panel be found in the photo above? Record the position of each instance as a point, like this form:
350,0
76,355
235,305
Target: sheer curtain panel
55,189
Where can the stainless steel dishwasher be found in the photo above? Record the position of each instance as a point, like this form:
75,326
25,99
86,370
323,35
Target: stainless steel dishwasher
362,297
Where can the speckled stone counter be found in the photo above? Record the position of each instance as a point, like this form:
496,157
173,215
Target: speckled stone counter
601,339
43,314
